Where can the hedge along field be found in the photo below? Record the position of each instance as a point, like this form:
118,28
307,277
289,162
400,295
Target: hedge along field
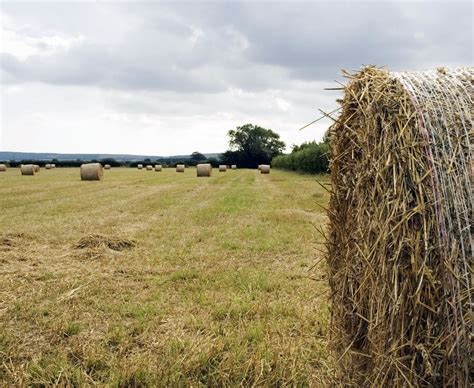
162,278
309,157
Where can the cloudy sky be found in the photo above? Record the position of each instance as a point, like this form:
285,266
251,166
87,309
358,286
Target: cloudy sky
173,77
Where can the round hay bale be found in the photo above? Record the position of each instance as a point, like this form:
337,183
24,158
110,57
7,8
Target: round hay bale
48,166
233,167
27,169
264,169
222,168
53,165
92,172
149,168
140,166
107,167
37,168
3,167
400,249
158,167
180,167
204,169
258,167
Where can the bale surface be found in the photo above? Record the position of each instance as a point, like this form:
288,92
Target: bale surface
158,167
53,165
92,172
37,168
140,166
233,167
222,168
149,168
399,244
27,169
204,169
107,167
180,168
48,166
264,169
3,167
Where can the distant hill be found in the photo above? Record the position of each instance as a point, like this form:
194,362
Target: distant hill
18,156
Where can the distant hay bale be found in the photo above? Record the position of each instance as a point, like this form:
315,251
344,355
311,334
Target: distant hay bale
233,167
258,168
107,167
140,166
158,167
48,166
222,168
204,169
92,172
37,168
400,249
180,167
53,165
3,167
264,169
27,169
149,168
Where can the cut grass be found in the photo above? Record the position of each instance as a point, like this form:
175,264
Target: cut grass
216,288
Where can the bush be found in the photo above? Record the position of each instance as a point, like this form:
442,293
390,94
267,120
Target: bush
310,157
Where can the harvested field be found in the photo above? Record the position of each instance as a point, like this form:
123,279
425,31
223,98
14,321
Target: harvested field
162,279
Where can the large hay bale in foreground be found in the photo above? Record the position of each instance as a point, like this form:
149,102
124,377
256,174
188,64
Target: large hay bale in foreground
222,168
264,169
92,172
204,169
149,168
27,169
158,167
3,167
399,244
180,167
107,167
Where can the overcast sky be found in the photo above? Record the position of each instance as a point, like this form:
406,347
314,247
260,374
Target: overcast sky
172,78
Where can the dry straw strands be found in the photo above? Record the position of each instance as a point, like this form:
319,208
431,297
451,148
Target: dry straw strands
27,169
158,167
149,168
222,168
107,167
264,169
399,244
204,169
233,167
3,167
139,166
92,172
180,167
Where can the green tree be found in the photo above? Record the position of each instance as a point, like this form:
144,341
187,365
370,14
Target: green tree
252,145
197,156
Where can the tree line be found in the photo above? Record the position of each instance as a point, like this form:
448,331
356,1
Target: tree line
250,145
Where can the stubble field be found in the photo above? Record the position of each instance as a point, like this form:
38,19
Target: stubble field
151,278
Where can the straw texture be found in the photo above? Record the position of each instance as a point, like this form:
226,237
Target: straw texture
400,244
158,167
27,169
37,168
48,166
139,166
3,167
92,172
233,167
149,168
180,168
264,169
222,168
204,169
